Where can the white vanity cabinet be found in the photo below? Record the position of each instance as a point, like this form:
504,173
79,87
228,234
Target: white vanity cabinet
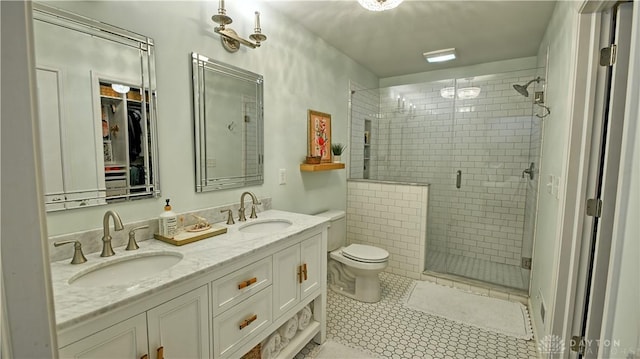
241,306
222,312
297,273
127,339
178,328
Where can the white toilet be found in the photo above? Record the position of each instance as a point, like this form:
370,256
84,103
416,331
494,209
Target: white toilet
353,270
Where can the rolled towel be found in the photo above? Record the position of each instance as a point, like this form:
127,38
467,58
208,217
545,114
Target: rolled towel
284,343
304,318
271,346
288,330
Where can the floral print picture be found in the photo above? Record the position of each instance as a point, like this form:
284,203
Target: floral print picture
320,135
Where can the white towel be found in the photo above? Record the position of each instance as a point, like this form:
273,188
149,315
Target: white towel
304,318
288,330
271,346
283,343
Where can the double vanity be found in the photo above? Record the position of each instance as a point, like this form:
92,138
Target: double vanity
215,298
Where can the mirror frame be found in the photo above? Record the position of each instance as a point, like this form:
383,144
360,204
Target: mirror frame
200,65
145,45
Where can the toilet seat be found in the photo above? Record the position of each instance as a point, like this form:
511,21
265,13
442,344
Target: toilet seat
366,254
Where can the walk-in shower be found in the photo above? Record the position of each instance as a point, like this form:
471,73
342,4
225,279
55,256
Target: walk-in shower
470,139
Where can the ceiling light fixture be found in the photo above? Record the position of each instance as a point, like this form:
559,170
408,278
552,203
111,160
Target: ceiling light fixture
379,5
464,93
447,92
440,55
123,89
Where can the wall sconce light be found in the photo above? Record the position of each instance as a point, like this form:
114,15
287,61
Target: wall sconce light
401,102
230,39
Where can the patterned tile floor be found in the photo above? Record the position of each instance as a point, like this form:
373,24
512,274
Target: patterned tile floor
480,269
387,329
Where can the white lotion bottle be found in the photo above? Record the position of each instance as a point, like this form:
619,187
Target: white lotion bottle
168,222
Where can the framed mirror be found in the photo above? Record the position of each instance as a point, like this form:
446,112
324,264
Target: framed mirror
97,110
228,120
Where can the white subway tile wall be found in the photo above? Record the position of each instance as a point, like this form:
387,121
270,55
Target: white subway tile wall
392,217
423,137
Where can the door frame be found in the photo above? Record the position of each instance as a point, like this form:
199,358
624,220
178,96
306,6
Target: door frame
625,227
28,318
603,179
572,205
583,96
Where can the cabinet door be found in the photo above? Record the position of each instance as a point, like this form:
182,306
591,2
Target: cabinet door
311,256
127,339
285,279
180,326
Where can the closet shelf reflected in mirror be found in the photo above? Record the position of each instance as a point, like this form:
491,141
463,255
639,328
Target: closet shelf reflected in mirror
125,139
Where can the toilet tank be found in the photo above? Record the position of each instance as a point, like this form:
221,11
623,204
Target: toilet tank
337,236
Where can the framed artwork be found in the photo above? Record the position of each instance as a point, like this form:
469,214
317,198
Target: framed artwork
320,135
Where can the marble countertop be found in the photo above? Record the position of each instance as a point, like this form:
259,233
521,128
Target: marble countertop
74,304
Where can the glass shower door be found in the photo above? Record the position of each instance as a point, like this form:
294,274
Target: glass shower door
489,149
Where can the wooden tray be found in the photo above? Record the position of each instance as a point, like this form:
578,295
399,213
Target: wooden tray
185,237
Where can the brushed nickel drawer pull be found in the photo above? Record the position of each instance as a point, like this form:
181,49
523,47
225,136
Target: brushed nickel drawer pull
248,321
247,283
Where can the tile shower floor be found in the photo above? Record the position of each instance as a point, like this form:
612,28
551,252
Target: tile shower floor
387,329
480,269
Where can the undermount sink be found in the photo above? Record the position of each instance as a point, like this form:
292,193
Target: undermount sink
265,226
127,270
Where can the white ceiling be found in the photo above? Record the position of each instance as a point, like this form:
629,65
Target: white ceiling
391,43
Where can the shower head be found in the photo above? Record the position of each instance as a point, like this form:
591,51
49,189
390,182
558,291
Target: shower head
522,89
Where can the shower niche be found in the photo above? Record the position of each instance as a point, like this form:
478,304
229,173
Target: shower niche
366,158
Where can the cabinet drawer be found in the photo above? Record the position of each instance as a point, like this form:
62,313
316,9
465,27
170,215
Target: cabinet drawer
241,284
242,322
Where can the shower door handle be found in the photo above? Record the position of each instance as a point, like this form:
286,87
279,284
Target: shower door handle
458,179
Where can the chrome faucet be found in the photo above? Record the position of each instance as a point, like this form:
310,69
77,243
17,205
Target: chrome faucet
107,249
254,202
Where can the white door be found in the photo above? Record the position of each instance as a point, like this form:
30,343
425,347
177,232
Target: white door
125,340
179,328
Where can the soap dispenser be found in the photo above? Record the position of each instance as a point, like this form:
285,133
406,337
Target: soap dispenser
168,222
